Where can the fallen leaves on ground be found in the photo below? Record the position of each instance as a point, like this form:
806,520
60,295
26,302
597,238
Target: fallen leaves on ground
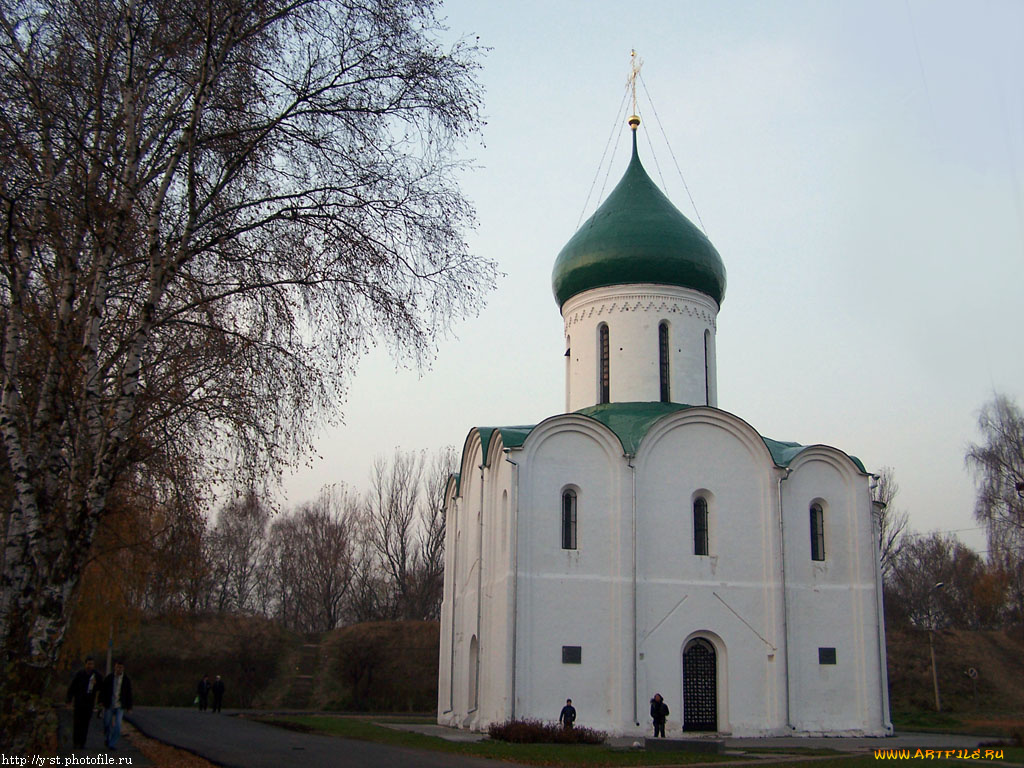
162,755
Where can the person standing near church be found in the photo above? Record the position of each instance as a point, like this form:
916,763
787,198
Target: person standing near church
659,714
568,715
82,695
218,693
203,692
116,698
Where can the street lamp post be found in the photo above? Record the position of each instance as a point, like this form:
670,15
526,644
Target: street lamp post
931,642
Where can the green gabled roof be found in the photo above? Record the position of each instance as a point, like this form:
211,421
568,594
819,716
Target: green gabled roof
783,453
630,422
512,437
638,236
485,440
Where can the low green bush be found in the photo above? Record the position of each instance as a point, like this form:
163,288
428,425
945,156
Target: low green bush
537,731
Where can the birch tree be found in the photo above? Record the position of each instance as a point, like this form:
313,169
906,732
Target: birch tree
208,211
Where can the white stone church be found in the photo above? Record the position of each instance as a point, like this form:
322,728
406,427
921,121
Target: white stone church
647,541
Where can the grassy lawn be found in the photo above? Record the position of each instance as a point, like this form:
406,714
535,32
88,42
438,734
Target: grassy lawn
928,722
531,754
365,729
973,724
1013,754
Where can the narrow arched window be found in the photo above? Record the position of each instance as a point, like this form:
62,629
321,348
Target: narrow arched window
604,368
817,532
569,519
663,361
700,526
568,371
707,370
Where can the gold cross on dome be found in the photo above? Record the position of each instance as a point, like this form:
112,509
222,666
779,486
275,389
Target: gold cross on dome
635,63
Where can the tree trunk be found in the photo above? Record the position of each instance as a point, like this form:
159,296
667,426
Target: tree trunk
29,720
28,717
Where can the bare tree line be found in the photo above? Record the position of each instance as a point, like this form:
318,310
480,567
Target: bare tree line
934,580
341,558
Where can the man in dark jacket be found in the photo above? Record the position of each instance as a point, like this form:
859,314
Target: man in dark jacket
568,715
82,692
203,692
659,713
218,693
116,698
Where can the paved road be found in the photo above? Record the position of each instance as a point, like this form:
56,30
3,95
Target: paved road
237,742
94,741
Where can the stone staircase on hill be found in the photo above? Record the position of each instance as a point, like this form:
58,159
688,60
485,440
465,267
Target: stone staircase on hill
299,694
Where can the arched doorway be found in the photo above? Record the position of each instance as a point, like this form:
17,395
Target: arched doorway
700,686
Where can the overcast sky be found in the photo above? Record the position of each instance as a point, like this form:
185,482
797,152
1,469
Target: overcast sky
858,165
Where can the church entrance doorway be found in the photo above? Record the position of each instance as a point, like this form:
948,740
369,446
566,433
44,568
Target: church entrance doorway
700,686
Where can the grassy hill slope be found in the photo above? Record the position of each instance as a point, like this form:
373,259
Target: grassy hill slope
996,656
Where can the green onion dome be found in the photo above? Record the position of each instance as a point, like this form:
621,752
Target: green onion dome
638,236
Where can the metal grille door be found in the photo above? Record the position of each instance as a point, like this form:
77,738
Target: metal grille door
700,700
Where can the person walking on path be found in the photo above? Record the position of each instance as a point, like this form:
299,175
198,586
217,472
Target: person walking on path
659,713
218,693
203,692
568,715
82,696
116,698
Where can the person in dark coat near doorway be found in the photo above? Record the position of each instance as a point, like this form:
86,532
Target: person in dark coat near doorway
203,692
82,696
218,693
659,713
568,715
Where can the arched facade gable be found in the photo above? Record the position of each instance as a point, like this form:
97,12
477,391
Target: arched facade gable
579,424
833,457
451,489
495,448
745,434
472,457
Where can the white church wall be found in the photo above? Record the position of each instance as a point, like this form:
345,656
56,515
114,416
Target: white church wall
573,598
632,314
496,612
479,555
462,611
832,603
729,596
732,597
444,680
